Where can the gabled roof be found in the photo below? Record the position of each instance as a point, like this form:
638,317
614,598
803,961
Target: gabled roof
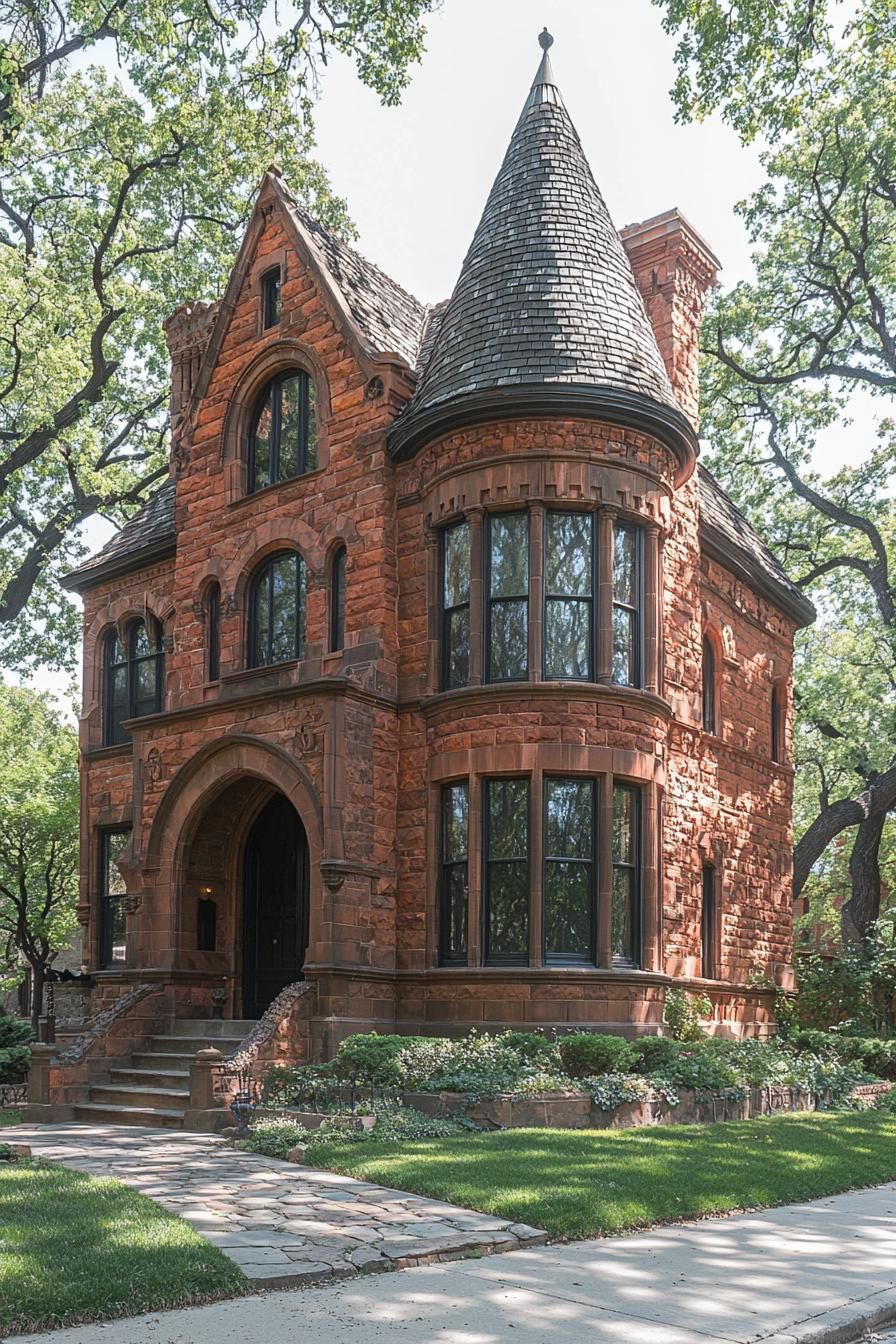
546,302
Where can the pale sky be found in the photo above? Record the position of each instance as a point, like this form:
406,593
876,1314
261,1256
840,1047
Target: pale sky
416,177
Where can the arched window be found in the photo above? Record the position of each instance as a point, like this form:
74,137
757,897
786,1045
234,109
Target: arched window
709,686
213,631
337,601
277,611
778,717
283,430
134,670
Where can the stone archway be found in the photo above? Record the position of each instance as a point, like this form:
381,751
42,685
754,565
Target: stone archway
198,839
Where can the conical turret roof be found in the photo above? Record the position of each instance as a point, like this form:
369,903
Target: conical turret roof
546,309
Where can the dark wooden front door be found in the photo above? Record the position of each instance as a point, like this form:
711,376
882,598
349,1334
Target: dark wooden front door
275,933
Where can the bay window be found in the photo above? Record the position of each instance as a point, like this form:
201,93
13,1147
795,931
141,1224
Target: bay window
548,593
576,883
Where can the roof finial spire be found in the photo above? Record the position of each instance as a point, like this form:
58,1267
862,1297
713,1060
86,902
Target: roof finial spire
545,40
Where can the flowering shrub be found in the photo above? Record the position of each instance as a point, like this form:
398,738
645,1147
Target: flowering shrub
612,1089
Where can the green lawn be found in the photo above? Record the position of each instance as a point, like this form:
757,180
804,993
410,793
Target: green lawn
10,1118
589,1183
76,1249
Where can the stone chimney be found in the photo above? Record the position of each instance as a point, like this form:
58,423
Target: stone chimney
187,333
674,270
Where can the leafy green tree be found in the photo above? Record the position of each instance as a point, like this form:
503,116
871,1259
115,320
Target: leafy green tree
788,353
39,798
133,134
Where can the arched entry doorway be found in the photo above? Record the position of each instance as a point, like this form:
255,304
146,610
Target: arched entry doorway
275,904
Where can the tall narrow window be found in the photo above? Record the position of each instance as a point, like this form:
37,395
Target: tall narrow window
283,436
270,297
112,897
778,716
627,587
134,673
277,611
508,597
568,596
454,883
213,617
708,959
337,601
456,605
709,685
506,906
626,910
570,889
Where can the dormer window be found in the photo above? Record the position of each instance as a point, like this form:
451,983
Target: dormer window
283,434
270,298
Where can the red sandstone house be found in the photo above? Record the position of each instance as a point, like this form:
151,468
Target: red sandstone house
438,680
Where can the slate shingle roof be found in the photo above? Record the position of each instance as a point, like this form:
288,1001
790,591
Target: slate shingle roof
389,317
149,532
546,292
722,521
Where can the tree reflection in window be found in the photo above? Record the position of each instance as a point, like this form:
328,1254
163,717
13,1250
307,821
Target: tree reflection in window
283,434
569,885
507,871
569,593
625,915
454,878
508,597
277,611
455,606
627,605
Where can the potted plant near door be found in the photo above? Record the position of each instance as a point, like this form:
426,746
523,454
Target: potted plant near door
219,998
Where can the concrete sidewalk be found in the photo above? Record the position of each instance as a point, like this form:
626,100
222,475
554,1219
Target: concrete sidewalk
807,1273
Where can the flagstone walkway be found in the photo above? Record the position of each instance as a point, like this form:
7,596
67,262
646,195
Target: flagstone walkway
284,1225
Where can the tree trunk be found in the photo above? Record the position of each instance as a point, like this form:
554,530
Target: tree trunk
863,907
37,997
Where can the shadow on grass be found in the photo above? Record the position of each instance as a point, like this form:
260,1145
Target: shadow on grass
584,1183
76,1249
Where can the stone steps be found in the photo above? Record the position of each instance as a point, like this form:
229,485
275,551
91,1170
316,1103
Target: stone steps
154,1087
155,1117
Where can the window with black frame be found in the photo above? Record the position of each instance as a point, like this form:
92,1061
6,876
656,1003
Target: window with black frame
283,432
506,906
134,668
507,637
570,870
337,601
213,617
113,951
708,967
625,918
454,875
270,297
627,604
569,586
455,606
277,611
709,685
